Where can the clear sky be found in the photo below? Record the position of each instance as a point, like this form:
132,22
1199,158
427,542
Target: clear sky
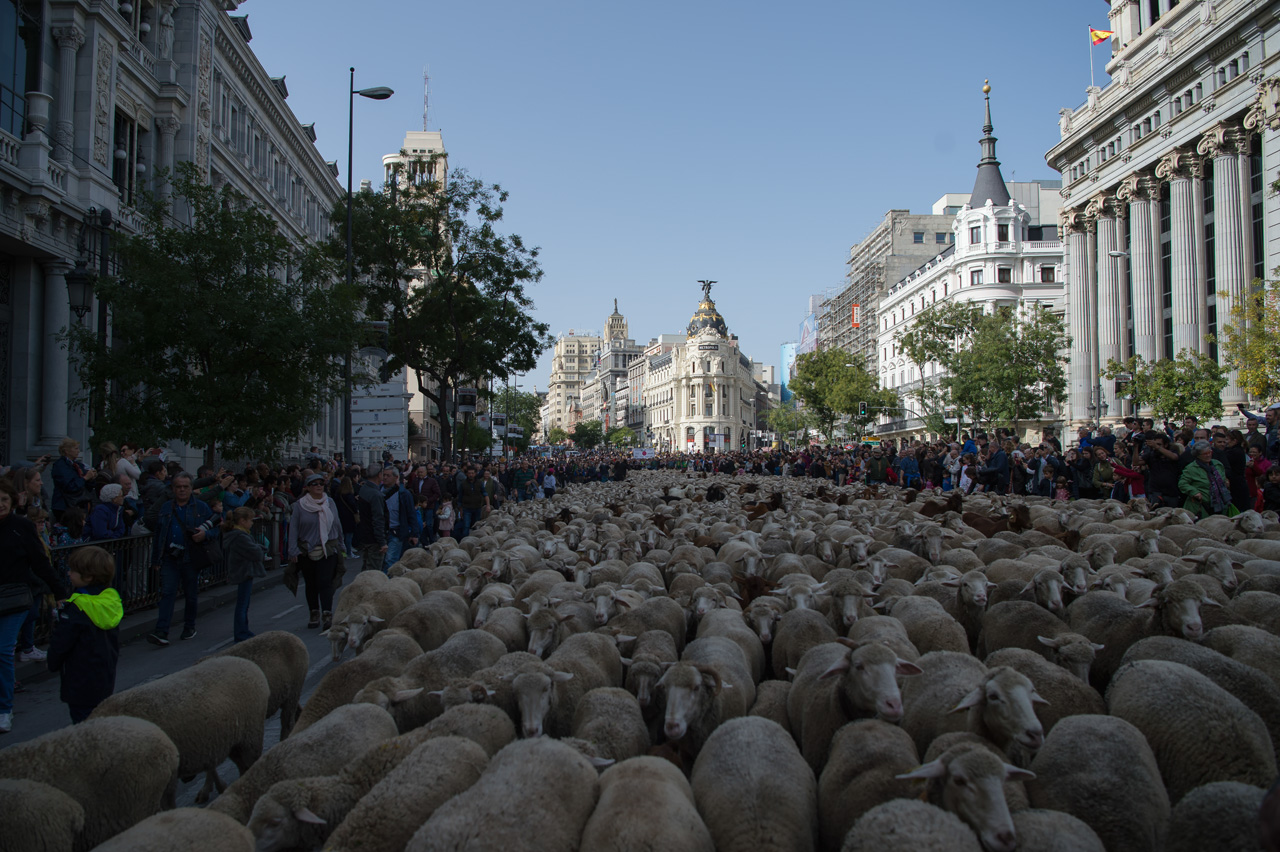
647,145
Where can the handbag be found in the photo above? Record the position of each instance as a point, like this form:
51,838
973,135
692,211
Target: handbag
15,597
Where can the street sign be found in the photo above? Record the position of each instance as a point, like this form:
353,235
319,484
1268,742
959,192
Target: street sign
371,444
386,430
372,418
398,402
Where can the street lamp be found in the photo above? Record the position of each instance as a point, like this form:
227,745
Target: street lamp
376,93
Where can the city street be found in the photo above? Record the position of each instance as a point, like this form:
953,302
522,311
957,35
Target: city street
38,711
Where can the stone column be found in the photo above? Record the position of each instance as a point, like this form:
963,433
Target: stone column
1224,142
1182,170
69,39
168,127
1109,302
1082,337
56,373
1139,191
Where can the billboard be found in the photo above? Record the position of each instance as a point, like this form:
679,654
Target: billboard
808,335
786,364
857,316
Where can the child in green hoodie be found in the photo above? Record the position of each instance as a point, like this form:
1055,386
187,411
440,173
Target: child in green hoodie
85,646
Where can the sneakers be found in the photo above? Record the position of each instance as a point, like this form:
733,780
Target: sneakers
32,655
327,622
188,633
314,620
161,639
6,723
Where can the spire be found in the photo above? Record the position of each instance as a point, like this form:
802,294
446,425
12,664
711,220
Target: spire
989,184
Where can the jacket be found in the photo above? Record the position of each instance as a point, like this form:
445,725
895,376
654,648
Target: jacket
85,646
304,527
471,494
1194,481
106,521
23,556
242,556
172,522
410,525
68,484
372,529
877,469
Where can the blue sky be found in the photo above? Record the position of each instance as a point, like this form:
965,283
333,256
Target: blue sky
646,146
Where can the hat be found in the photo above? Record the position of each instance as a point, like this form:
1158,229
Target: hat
313,478
110,492
1275,406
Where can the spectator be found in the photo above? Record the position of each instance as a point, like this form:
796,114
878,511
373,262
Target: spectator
85,646
1234,457
343,491
128,464
549,483
70,478
371,530
153,491
1104,477
315,545
106,521
1255,472
445,517
243,557
472,502
1204,482
177,530
1271,491
402,521
877,468
30,485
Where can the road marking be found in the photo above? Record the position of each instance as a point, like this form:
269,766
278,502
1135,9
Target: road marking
317,667
224,643
287,611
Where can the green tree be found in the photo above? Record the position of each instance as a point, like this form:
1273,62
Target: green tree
832,383
786,419
620,436
1251,339
474,439
453,288
557,435
1190,384
587,434
214,343
525,411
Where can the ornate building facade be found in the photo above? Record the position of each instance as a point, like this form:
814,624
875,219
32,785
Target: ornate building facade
1167,212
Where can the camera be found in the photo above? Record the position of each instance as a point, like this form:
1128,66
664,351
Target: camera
176,550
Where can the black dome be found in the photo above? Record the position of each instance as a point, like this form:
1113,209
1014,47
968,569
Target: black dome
707,317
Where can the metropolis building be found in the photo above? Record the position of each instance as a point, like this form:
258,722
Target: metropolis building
1167,212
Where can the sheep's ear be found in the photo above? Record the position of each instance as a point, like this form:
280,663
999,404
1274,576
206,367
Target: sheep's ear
1047,642
623,604
1030,586
305,815
376,619
1197,557
847,642
791,671
1208,601
953,582
626,661
976,698
561,677
623,638
601,762
906,667
1149,603
527,614
438,693
1095,646
837,668
508,677
404,695
935,769
1037,699
1013,773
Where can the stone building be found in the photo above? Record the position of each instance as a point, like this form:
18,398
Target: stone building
1167,211
572,363
101,98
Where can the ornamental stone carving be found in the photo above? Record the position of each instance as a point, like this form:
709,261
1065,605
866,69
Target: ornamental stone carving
1178,164
1071,221
1266,107
204,113
1222,140
168,125
68,37
102,103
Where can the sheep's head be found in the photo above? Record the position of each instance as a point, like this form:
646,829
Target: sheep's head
1075,570
463,692
1178,607
762,614
1046,585
691,690
1073,652
542,626
643,674
1216,564
972,588
278,817
1003,704
534,688
968,780
868,678
1101,555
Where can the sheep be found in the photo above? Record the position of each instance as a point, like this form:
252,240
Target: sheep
710,684
38,818
929,626
184,828
887,631
848,600
432,620
1252,646
1044,587
386,655
660,613
402,695
631,793
323,749
547,693
355,620
861,772
492,597
908,825
754,790
837,679
1022,624
610,719
536,792
1221,815
762,614
385,816
1260,608
798,631
508,624
651,651
1101,770
284,661
969,602
1000,702
729,624
968,779
1198,731
1054,831
211,711
771,702
120,769
549,627
1066,694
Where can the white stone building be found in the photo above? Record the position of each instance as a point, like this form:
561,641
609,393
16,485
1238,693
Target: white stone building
1167,211
572,363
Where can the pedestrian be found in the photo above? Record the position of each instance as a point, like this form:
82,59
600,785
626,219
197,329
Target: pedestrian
403,528
315,545
106,520
243,558
182,523
24,563
1204,482
1271,491
549,483
472,503
371,526
85,646
344,496
445,517
70,478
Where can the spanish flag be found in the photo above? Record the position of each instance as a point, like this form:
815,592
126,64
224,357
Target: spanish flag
1099,36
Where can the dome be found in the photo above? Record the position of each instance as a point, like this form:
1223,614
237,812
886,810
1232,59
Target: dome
707,317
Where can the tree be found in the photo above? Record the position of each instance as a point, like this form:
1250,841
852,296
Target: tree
587,434
525,410
620,437
474,439
214,343
786,419
452,287
1190,384
1251,340
557,435
832,383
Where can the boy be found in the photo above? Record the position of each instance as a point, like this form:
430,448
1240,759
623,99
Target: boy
85,646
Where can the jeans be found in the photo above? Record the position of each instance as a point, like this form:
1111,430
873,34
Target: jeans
318,576
467,518
27,635
349,539
172,575
9,626
372,555
428,527
240,622
395,546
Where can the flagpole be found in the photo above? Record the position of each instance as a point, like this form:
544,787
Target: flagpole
1090,40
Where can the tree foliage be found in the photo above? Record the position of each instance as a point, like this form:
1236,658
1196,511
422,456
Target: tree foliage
453,288
786,419
557,435
620,436
525,410
587,434
224,335
831,383
1190,384
1250,341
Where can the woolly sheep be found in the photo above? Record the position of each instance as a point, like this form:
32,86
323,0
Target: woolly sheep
886,630
1252,646
1221,815
432,620
1000,702
710,684
798,631
211,711
491,597
284,661
909,825
1054,831
536,792
929,626
38,818
861,772
120,769
1021,624
839,678
754,790
771,702
386,655
762,614
548,692
356,621
631,794
1065,694
730,625
610,718
1198,731
323,749
650,652
508,624
1260,608
1101,770
184,828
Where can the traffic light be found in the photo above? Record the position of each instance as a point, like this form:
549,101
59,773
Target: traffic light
862,409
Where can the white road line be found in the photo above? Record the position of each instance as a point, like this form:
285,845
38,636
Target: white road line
317,667
287,611
224,643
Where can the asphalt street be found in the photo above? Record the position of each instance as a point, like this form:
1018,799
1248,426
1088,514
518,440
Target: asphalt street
38,711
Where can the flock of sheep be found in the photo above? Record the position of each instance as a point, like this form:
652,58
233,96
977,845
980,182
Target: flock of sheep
684,664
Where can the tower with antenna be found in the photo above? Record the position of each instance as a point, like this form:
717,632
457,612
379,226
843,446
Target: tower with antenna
426,96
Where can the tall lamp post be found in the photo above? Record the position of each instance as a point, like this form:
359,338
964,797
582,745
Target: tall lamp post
376,93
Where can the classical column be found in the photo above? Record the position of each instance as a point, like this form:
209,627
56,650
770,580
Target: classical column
69,39
1109,303
1182,170
56,373
1140,191
1224,143
168,127
1082,339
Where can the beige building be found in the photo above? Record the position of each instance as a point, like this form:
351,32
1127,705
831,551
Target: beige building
573,362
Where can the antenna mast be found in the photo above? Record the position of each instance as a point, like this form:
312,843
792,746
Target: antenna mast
426,96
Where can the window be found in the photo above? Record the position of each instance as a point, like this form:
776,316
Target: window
975,235
975,277
1002,233
1046,275
940,238
127,163
20,31
1004,275
917,237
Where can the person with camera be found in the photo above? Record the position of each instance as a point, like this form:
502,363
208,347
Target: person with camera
182,524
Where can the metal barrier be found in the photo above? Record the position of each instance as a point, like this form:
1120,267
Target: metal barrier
136,581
